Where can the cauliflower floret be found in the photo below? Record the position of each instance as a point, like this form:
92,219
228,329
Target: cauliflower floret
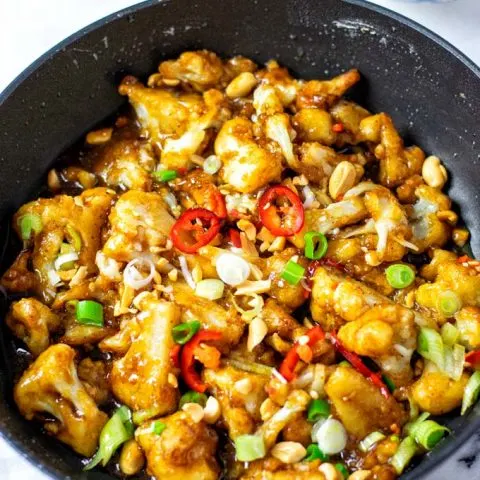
277,128
468,324
139,221
278,320
285,85
314,125
94,376
201,69
125,163
360,405
428,230
184,451
51,386
376,326
140,378
248,164
336,215
397,163
84,215
287,295
32,322
240,411
452,276
436,393
349,114
266,101
210,314
324,93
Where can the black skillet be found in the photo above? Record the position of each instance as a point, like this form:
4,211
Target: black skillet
432,91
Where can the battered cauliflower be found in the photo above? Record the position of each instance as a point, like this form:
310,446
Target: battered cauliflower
51,387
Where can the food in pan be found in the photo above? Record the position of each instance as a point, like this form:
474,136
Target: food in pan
248,276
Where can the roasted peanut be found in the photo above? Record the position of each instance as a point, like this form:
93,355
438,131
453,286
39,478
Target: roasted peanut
97,137
433,172
241,85
460,236
212,411
257,331
330,472
289,452
343,179
131,458
360,475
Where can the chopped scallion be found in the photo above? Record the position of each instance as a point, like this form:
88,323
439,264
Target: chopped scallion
399,275
192,397
370,440
450,334
316,245
211,288
405,452
116,431
318,409
389,383
428,433
449,303
89,312
183,332
165,175
342,469
314,453
28,223
430,346
212,164
158,427
472,390
74,238
293,272
249,448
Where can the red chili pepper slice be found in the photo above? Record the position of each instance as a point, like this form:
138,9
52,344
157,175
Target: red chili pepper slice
473,358
174,355
358,364
195,228
216,203
287,367
281,219
338,127
187,359
235,238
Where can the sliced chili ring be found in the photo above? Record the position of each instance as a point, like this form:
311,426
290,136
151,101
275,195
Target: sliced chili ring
473,358
195,228
280,218
216,203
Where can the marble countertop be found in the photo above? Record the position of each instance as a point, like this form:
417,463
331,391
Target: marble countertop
30,27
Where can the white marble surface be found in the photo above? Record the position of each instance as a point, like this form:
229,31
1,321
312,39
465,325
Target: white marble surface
30,27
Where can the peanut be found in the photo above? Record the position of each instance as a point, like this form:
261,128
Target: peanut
241,85
131,458
434,173
289,452
343,178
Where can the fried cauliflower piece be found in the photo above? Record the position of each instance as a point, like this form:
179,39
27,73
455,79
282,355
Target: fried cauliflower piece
286,87
201,69
212,315
19,277
468,324
285,294
51,386
32,322
375,326
324,93
124,163
336,215
436,393
278,320
139,221
360,405
451,276
248,163
349,114
184,451
314,125
240,410
397,163
296,402
84,214
140,378
428,230
94,375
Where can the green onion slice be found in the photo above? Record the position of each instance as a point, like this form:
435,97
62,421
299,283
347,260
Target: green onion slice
472,390
399,275
318,409
192,397
449,303
405,452
412,425
430,346
389,383
342,469
370,440
251,367
116,431
185,331
74,238
89,312
28,223
165,175
428,433
293,272
318,240
450,334
249,448
212,164
314,453
453,361
158,427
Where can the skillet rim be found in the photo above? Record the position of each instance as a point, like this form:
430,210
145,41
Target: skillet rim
446,449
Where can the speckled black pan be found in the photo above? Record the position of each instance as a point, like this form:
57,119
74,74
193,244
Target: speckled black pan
432,91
